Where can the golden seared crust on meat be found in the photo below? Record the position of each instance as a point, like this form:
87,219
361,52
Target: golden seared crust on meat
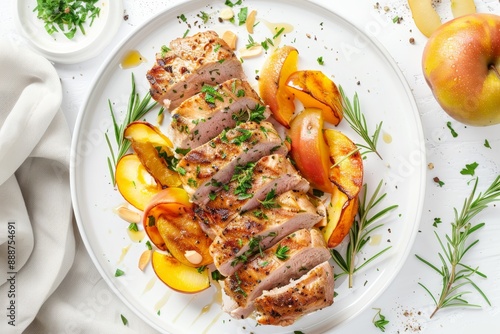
249,185
182,69
211,165
204,115
283,306
305,249
289,212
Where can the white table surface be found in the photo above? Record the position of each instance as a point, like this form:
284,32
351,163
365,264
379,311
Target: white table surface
404,304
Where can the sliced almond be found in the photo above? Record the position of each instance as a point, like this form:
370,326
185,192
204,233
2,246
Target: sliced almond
230,38
128,215
193,256
145,259
226,14
251,21
254,51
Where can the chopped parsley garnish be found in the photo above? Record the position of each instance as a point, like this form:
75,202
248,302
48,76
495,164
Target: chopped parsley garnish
217,276
245,135
212,196
192,182
182,151
201,269
320,61
251,42
204,16
238,288
242,15
148,245
260,214
66,16
453,132
151,221
281,252
269,202
133,227
254,247
230,4
437,221
279,32
469,169
243,175
487,143
182,17
119,273
257,114
124,320
318,193
211,94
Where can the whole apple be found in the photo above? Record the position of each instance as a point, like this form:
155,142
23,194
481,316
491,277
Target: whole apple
461,64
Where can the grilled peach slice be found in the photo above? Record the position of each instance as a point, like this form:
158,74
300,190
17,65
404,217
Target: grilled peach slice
153,148
170,223
272,79
340,216
166,200
134,182
315,90
184,237
178,276
347,169
309,150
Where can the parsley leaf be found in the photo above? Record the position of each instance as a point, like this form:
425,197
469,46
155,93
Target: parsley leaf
281,252
469,169
119,273
453,132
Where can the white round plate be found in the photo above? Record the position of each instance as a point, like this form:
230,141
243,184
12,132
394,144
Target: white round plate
57,47
356,62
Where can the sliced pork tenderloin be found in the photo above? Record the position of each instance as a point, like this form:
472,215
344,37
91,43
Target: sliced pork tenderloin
204,115
210,166
181,70
260,228
249,185
284,305
289,259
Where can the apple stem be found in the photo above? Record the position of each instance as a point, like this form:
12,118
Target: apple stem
494,69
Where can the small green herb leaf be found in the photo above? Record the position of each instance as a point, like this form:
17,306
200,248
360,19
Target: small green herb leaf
281,252
453,132
119,273
469,169
381,321
124,320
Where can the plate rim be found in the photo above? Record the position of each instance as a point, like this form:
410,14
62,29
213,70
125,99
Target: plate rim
177,7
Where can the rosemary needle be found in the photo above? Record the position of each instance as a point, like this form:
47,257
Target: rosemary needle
455,273
136,109
359,234
357,121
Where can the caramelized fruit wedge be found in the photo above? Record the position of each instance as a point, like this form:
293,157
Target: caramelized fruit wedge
334,209
347,169
184,238
425,16
152,148
134,182
335,234
315,90
309,150
272,83
167,200
178,276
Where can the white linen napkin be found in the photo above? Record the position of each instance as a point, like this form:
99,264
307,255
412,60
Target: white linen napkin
36,234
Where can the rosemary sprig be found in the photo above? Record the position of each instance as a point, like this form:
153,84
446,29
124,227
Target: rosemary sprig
381,322
360,231
136,109
357,121
456,274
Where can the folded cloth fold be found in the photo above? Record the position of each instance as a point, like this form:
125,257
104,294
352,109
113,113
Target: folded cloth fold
37,243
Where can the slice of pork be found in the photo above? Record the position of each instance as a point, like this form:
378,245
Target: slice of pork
249,185
204,115
261,228
182,69
211,165
306,249
284,305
